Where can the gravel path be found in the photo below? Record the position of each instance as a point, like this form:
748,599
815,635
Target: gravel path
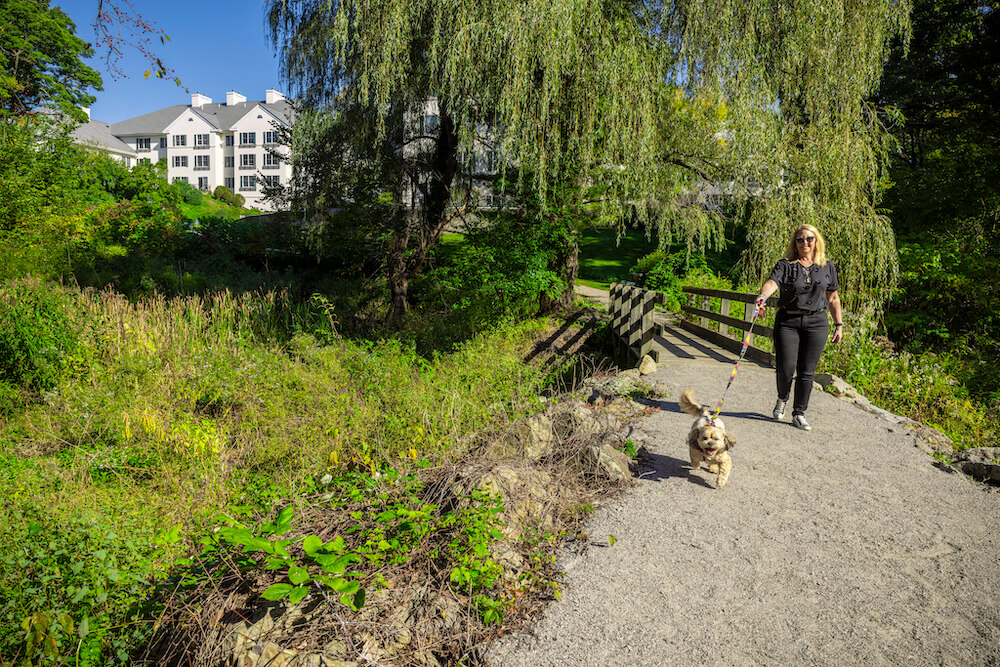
844,545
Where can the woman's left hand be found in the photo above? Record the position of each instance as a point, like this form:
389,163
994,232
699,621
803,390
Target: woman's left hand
838,334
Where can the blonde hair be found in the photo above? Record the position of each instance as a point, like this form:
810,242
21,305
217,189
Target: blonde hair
819,245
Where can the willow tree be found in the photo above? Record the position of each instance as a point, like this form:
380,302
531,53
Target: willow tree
644,102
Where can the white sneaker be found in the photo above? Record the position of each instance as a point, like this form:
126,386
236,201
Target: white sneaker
799,421
779,409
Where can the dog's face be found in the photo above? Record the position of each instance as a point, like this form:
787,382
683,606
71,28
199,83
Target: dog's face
711,440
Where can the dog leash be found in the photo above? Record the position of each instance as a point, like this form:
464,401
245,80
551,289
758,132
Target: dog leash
732,376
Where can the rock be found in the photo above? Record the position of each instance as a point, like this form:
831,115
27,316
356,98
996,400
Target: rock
607,462
537,437
930,440
983,463
836,385
647,365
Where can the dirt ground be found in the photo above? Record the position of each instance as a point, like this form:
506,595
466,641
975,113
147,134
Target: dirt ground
843,545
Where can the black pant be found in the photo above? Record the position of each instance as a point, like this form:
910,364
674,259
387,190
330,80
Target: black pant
798,342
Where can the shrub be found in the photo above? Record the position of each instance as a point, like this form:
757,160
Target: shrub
38,337
669,272
190,194
72,589
227,196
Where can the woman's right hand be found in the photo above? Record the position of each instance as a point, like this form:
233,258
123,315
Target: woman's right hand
760,301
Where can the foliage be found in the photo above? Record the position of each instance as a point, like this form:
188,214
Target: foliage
41,60
644,103
39,340
227,196
945,202
189,193
167,413
924,387
38,169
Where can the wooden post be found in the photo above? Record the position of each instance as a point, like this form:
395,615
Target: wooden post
724,310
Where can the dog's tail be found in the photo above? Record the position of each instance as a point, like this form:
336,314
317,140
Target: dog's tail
692,406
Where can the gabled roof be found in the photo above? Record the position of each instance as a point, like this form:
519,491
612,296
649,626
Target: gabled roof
221,115
99,135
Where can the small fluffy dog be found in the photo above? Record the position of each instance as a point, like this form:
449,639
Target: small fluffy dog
708,442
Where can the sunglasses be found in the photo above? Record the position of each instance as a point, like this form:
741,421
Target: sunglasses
805,239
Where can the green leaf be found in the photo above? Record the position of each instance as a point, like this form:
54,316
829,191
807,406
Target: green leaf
297,594
277,591
285,519
312,544
612,539
297,575
83,629
359,599
336,545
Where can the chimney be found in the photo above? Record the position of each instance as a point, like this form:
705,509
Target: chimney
197,100
272,96
86,110
233,98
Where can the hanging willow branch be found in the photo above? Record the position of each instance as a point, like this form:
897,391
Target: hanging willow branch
767,95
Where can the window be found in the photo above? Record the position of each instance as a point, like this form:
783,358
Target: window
142,144
230,182
230,162
180,140
143,160
271,161
201,141
201,162
179,179
163,142
248,161
229,140
270,137
272,180
203,182
248,182
180,160
248,138
430,124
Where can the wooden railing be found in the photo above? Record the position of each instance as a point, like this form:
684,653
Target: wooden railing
632,322
714,326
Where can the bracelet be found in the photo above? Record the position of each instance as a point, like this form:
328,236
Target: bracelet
838,324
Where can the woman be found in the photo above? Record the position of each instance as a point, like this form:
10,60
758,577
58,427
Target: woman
809,285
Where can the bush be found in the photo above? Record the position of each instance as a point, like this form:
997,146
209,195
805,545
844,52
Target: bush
72,590
38,338
227,196
670,272
190,194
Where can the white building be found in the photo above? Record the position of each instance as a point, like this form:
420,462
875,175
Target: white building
234,144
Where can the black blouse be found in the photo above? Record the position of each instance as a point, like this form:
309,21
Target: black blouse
804,288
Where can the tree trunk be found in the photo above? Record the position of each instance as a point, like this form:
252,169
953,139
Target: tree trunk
567,265
406,259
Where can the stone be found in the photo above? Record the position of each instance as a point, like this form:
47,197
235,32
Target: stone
835,385
647,365
930,440
606,462
983,463
537,437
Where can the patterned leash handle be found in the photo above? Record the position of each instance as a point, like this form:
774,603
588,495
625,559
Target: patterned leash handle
732,376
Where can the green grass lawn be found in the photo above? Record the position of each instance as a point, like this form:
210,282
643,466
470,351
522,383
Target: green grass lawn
604,261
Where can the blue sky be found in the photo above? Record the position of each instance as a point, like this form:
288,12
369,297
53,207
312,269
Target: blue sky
216,46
